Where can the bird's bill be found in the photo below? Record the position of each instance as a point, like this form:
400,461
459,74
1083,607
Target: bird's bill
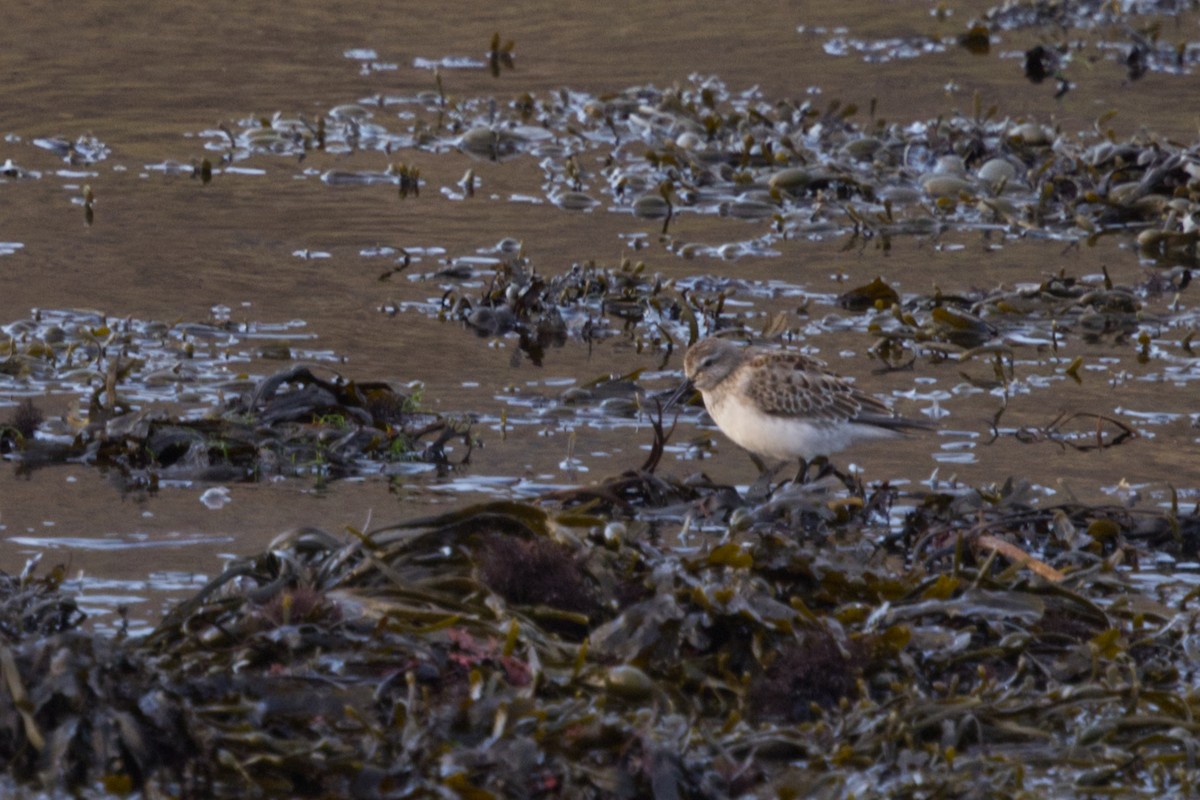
684,390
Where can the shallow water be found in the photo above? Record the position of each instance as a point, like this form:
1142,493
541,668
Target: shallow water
268,242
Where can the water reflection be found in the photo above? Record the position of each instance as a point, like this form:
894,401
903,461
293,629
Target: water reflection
126,541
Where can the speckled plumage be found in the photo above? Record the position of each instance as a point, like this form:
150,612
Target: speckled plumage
785,405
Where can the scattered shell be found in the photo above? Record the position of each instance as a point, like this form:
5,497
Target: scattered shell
575,201
792,180
950,165
651,206
629,682
862,149
490,144
995,171
946,186
348,112
1033,134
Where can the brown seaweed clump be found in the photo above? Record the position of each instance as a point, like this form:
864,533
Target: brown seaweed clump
22,425
514,650
805,678
292,423
81,710
535,572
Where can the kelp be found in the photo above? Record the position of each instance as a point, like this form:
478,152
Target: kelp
585,302
772,169
291,423
816,643
643,636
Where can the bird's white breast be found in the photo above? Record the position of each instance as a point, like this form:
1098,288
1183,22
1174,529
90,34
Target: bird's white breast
779,437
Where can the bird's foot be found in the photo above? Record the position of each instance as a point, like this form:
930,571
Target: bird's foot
761,490
823,468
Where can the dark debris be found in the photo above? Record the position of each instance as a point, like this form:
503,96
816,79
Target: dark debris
513,649
292,423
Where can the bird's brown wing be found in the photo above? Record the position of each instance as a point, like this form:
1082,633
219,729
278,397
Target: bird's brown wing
792,384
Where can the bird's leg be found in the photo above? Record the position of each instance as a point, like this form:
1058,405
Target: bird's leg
853,483
824,467
761,488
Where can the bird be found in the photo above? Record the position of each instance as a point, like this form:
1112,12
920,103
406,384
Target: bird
785,405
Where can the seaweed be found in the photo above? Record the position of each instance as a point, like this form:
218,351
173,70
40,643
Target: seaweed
812,643
292,423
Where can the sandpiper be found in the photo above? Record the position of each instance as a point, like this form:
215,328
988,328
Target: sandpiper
785,405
